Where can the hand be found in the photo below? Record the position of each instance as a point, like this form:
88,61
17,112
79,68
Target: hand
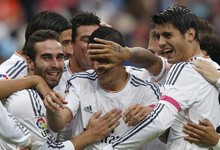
54,101
202,134
135,113
101,126
207,70
108,50
41,86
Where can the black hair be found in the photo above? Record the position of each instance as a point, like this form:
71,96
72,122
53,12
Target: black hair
211,44
47,20
81,19
107,33
179,16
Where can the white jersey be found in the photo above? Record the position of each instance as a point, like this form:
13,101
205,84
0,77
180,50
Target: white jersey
11,131
14,67
187,97
28,108
160,79
218,85
86,96
63,80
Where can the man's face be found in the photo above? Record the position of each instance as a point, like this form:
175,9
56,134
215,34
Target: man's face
49,62
105,76
173,44
154,45
65,39
80,45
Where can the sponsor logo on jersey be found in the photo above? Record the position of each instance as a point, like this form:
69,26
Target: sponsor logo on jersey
42,125
88,109
4,76
110,138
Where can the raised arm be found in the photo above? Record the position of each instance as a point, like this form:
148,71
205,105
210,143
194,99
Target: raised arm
115,54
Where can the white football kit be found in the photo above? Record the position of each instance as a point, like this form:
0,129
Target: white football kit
187,97
85,96
28,108
11,131
14,67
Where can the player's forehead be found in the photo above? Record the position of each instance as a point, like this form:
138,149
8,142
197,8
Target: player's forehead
49,46
165,29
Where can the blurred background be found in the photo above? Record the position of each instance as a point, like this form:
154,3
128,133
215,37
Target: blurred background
131,17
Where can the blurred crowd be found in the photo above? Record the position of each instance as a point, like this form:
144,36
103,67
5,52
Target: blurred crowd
131,17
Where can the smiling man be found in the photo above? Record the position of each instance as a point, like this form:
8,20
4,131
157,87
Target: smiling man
187,95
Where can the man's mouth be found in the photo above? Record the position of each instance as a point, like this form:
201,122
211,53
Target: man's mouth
167,51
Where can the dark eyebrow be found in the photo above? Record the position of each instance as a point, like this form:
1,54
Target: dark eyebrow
167,34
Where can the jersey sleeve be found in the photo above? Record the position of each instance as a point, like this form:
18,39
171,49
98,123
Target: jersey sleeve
181,81
152,95
72,96
161,77
218,85
150,128
11,131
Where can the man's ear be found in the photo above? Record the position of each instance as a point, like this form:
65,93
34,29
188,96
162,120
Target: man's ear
30,63
191,33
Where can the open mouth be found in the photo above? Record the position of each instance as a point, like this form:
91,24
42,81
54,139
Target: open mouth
166,51
53,75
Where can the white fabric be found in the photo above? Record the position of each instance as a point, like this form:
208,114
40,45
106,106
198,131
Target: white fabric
218,85
11,131
86,96
29,110
217,146
14,67
187,96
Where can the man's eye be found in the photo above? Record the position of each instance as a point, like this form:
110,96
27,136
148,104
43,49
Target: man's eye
60,57
66,43
85,39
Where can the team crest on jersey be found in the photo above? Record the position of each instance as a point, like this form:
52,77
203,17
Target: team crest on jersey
4,76
42,125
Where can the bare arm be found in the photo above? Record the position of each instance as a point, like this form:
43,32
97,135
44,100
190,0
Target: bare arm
13,85
115,54
57,117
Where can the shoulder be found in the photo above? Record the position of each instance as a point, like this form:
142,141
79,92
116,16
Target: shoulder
15,66
87,75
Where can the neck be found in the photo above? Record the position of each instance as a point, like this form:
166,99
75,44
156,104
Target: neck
117,81
73,66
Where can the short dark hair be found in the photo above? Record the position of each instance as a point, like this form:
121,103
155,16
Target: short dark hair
179,16
204,28
38,36
47,20
81,19
211,44
107,33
